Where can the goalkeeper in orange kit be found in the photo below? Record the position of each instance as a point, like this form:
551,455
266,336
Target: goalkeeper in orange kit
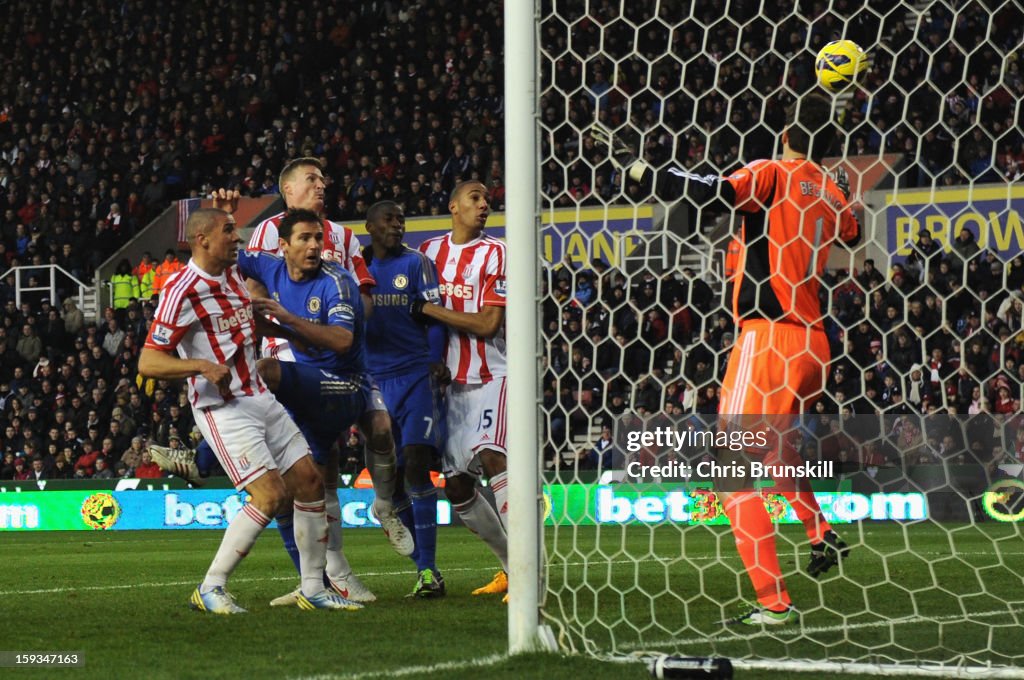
793,211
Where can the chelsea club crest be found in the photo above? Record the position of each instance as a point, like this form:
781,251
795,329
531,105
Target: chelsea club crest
313,305
400,281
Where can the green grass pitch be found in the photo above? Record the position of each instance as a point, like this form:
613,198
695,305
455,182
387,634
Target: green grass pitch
120,598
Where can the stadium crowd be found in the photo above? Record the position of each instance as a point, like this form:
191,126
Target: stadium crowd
707,94
111,110
939,333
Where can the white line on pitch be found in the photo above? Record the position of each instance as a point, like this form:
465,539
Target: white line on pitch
822,629
255,579
554,566
426,671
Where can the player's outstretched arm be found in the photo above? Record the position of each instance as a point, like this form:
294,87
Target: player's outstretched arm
324,336
669,184
621,154
485,324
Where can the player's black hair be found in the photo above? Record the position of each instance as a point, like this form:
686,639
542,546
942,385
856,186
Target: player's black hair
293,217
374,212
459,187
810,127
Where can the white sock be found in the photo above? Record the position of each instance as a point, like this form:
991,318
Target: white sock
480,518
238,540
383,472
337,563
311,539
499,485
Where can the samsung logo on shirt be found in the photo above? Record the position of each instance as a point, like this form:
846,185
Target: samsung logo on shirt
391,299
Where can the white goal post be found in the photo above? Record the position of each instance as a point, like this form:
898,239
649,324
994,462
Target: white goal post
521,323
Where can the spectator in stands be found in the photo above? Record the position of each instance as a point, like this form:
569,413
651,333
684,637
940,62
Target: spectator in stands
147,469
132,457
965,246
101,469
74,319
85,464
113,340
604,455
37,471
21,471
165,270
29,345
124,286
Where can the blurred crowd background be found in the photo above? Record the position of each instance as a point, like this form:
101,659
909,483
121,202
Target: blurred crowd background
109,111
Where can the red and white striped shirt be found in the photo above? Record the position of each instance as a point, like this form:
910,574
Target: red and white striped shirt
209,317
340,245
470,277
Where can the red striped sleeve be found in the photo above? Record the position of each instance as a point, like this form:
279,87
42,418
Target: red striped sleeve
267,231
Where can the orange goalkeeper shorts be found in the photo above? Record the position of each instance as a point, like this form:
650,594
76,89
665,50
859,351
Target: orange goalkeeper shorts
774,369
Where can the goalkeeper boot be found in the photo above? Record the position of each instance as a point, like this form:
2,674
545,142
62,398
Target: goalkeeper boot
350,587
214,601
398,534
499,584
326,599
760,616
824,555
430,584
178,462
288,599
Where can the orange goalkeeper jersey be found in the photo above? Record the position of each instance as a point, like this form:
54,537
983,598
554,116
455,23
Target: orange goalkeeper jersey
792,213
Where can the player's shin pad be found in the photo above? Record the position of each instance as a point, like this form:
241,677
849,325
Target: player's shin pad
384,472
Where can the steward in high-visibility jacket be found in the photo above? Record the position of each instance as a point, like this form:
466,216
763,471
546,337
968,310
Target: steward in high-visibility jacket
146,283
165,270
123,286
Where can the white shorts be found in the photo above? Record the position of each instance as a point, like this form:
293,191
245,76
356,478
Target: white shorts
476,420
251,435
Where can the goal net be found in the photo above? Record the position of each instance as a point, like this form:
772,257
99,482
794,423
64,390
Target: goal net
918,427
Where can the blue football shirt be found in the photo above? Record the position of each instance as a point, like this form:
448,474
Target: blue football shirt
331,298
395,343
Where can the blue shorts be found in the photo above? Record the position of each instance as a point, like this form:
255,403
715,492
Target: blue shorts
323,405
417,410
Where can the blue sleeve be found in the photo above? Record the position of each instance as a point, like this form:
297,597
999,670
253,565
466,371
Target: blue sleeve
341,298
253,264
427,279
422,271
249,263
437,340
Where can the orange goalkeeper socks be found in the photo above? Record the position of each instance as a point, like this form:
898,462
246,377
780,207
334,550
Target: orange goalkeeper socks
799,494
809,512
755,541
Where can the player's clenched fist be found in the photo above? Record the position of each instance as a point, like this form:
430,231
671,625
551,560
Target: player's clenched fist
219,375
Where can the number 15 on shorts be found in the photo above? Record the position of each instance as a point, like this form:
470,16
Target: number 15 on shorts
486,420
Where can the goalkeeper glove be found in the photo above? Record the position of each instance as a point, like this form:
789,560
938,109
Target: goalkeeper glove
622,156
842,180
416,310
